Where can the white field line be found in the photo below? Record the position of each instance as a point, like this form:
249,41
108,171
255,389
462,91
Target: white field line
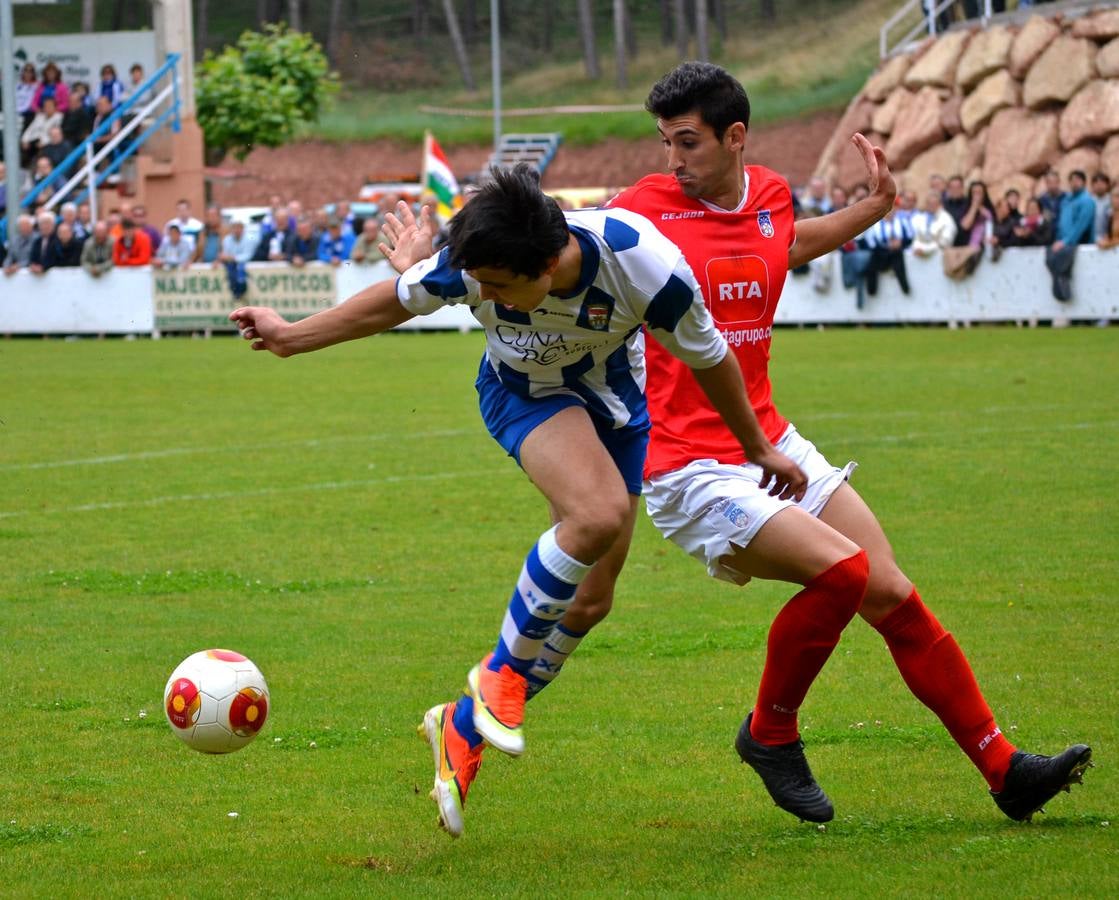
245,448
967,432
252,492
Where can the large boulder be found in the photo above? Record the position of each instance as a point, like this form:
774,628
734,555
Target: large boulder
1064,68
950,115
849,169
996,92
987,52
949,158
855,118
1092,115
1099,26
917,128
1107,60
1037,34
883,82
1019,141
1109,158
1083,159
886,114
937,68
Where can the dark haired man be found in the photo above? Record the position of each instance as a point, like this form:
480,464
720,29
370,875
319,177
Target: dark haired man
734,224
563,299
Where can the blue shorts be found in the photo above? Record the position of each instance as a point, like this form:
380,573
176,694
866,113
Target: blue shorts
510,418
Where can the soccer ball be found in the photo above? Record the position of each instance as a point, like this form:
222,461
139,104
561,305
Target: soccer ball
216,701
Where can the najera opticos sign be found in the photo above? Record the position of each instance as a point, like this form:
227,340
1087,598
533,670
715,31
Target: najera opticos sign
190,299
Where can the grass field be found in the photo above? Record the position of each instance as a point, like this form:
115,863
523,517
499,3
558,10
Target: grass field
344,520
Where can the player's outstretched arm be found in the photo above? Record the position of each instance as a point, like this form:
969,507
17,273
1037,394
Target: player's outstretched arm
367,312
408,241
725,389
822,234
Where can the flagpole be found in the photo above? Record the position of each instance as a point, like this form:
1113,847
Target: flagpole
495,66
423,165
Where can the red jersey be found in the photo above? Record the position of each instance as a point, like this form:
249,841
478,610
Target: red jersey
740,259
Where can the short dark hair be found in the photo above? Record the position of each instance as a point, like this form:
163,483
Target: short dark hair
508,224
1013,191
1078,173
705,87
1101,176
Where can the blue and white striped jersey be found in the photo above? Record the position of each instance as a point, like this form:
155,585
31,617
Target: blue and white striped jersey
589,343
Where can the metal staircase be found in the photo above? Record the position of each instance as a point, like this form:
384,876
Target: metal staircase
535,149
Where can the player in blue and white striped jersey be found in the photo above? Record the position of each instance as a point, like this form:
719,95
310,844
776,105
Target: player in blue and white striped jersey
563,301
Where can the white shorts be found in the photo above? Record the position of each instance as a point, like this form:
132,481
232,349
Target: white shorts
708,508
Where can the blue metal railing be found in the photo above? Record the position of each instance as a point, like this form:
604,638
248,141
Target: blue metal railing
63,171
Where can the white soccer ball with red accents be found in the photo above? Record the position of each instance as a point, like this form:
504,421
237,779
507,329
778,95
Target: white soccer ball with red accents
216,701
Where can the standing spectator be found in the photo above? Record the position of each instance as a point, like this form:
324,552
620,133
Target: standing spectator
1014,201
1053,197
334,244
132,89
887,239
57,148
273,233
207,245
1075,225
97,252
26,88
3,196
976,222
1034,230
906,207
140,217
1002,228
68,214
815,200
1109,237
174,252
933,228
188,225
1101,196
37,134
69,246
85,217
236,250
45,249
956,203
81,89
52,87
116,217
301,247
77,121
133,248
345,215
838,198
938,183
854,264
19,250
110,87
366,250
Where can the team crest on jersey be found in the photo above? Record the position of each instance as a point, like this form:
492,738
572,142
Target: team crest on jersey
765,223
596,310
598,316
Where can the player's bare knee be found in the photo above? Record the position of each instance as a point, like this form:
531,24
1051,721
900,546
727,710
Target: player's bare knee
887,590
596,528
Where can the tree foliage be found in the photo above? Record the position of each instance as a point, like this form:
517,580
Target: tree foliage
261,90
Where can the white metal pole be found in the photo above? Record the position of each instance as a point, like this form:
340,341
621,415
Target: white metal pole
91,180
11,128
495,65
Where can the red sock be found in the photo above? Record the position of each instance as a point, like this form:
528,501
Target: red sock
801,639
937,672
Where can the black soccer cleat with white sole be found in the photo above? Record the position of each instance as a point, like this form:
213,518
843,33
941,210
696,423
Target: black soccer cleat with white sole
784,772
1033,780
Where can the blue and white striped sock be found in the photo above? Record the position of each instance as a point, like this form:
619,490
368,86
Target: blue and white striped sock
544,591
558,645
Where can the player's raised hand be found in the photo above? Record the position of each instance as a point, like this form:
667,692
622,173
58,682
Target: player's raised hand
263,326
408,240
781,475
878,176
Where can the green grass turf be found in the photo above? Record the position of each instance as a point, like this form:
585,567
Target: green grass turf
345,521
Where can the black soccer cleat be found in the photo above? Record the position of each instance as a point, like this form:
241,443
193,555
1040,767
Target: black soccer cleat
1033,780
784,772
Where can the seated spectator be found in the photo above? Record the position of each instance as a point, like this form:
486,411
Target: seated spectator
81,89
814,201
97,251
933,228
37,134
1002,228
838,198
335,245
57,147
45,249
1034,229
366,250
273,233
53,88
77,121
174,252
1053,197
18,255
42,170
235,252
887,239
859,192
855,262
140,217
1109,237
3,195
1076,225
207,245
906,207
1101,196
938,183
26,88
110,87
69,246
132,89
103,112
975,228
133,248
188,225
345,215
301,246
1014,201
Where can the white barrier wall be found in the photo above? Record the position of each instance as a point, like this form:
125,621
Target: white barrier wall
1016,288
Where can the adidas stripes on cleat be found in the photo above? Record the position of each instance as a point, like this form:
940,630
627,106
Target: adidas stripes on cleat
456,764
784,772
1033,780
499,706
